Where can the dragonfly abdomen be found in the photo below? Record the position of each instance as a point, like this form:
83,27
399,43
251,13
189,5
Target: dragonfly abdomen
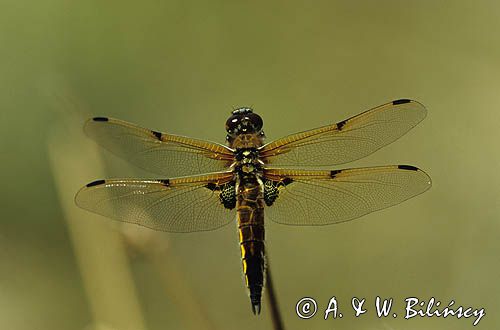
250,207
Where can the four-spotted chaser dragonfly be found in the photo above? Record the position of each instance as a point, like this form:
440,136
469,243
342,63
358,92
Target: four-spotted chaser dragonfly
206,185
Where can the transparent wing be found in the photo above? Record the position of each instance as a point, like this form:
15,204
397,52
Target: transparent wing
161,153
328,197
177,205
347,140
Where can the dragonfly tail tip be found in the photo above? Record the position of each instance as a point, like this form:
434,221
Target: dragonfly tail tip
256,308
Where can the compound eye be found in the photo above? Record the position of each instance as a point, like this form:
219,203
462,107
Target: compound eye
232,123
255,120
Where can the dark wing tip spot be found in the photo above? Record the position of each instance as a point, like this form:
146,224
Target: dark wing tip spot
165,182
157,134
334,173
401,101
100,119
96,183
341,124
407,167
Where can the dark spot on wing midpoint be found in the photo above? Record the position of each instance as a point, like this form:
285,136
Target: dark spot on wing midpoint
401,101
165,182
157,134
334,173
96,183
407,167
341,124
100,119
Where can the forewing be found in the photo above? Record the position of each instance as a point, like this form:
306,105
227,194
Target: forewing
161,153
328,197
177,205
347,140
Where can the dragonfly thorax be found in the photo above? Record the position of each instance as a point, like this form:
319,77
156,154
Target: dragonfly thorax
247,161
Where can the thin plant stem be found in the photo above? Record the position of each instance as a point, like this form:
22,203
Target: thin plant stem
273,301
105,269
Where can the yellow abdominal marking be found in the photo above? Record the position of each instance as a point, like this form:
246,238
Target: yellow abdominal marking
244,267
243,251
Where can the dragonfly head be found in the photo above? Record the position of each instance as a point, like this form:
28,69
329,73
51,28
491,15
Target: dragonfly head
244,121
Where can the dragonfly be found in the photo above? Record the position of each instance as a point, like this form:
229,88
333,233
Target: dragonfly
205,185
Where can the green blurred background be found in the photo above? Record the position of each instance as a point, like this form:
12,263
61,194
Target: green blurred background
181,66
